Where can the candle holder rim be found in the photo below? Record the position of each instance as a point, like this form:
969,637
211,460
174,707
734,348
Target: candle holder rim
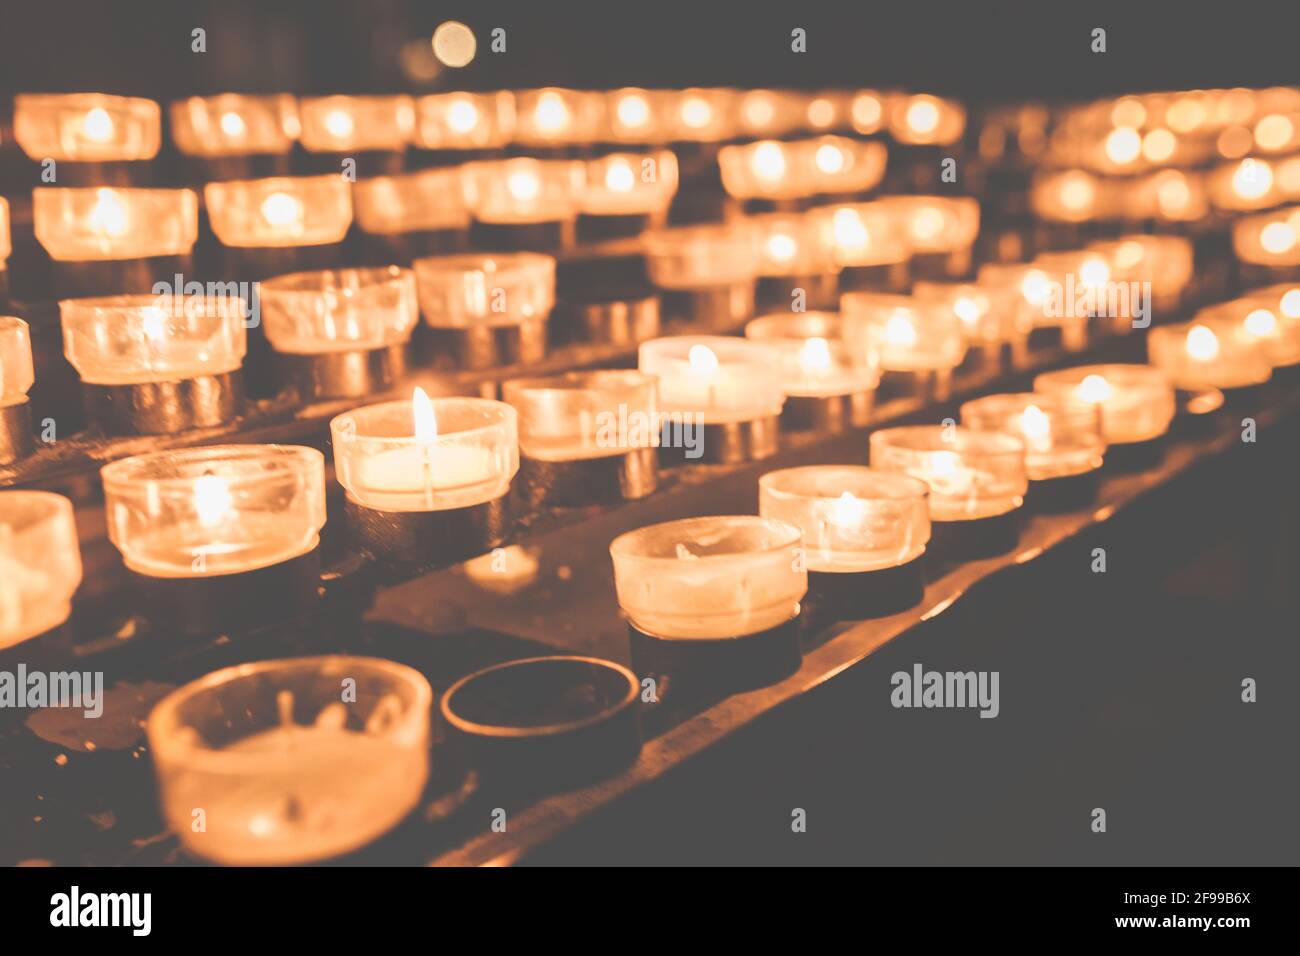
905,487
623,545
1129,373
964,439
509,264
219,306
577,380
164,716
545,730
1066,405
122,476
507,418
46,506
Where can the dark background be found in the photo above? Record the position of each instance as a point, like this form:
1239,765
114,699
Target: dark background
975,50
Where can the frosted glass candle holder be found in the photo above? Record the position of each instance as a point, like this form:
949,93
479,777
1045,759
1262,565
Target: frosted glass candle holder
1137,401
430,199
791,245
634,115
1209,352
971,475
710,578
853,519
701,115
1269,239
86,127
340,124
770,113
629,184
1024,284
138,339
463,121
6,246
16,374
485,289
234,124
587,437
281,211
926,120
815,359
554,116
935,224
1170,195
861,234
718,377
339,310
1271,315
695,257
910,334
774,169
525,190
426,454
1071,196
216,510
990,315
1062,437
1243,186
286,770
40,564
79,225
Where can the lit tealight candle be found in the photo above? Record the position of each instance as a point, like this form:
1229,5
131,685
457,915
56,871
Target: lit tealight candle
489,309
977,482
628,185
16,379
867,243
349,124
924,120
226,131
1271,239
413,214
702,584
939,230
707,272
40,564
427,477
86,127
587,437
1211,352
523,202
864,533
991,314
828,384
1063,443
341,332
1137,404
1244,185
701,115
288,771
1272,315
776,170
280,211
554,116
463,121
913,335
156,364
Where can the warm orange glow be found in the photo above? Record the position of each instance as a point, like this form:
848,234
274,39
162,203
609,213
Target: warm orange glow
1290,304
523,185
815,356
1252,179
829,158
233,125
866,112
1034,286
782,247
768,160
454,44
281,209
633,111
900,332
551,113
619,177
923,116
821,113
1277,238
849,511
1035,426
426,423
1094,388
1260,323
1274,131
462,115
213,501
850,232
1158,145
339,124
1123,145
696,113
703,362
928,223
1202,343
98,125
108,216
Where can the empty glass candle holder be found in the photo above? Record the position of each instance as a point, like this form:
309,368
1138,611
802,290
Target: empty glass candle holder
79,225
157,364
280,211
1137,402
40,564
828,385
341,124
427,479
911,334
287,770
234,124
490,309
86,127
977,484
341,332
720,577
16,379
554,116
587,437
1063,444
215,510
462,121
1209,352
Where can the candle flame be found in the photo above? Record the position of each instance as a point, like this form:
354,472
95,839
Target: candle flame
339,124
899,330
426,423
850,232
1291,303
1261,323
1095,389
1277,237
815,356
281,209
232,124
768,161
782,247
462,115
619,177
1035,425
98,125
967,309
829,158
1094,272
928,223
1252,179
523,185
633,110
154,324
696,113
1202,343
212,500
944,464
848,511
1123,145
108,215
923,116
1034,286
684,553
551,114
703,362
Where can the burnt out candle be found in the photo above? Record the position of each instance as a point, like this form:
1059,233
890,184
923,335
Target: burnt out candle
1063,444
95,139
707,273
721,396
341,333
488,309
107,241
40,564
829,385
288,770
864,534
977,483
157,364
587,437
219,536
712,602
1137,405
427,479
16,379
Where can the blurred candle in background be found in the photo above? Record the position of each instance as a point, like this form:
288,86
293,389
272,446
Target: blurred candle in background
86,127
344,124
281,211
1137,401
911,334
235,124
1062,437
76,225
40,564
1211,351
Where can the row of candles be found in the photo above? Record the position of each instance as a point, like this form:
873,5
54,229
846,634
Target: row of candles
212,511
825,534
95,127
